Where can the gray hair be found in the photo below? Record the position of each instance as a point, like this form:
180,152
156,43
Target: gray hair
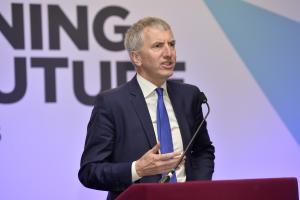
134,36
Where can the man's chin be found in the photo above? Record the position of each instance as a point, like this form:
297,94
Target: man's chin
168,74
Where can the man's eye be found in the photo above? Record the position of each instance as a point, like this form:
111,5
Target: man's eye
159,45
172,44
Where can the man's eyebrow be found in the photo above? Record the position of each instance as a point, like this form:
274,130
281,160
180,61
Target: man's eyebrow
161,41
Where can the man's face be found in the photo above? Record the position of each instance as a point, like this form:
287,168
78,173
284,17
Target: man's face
157,56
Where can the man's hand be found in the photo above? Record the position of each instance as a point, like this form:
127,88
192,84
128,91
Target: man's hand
151,163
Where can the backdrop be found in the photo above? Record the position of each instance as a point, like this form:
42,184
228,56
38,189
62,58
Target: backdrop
57,55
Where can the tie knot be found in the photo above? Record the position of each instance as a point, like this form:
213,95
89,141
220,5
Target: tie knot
159,91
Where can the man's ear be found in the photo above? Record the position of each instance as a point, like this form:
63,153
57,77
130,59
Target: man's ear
136,58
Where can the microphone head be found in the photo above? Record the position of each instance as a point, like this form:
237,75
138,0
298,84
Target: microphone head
203,98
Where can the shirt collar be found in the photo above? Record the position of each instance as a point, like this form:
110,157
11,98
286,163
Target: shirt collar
148,87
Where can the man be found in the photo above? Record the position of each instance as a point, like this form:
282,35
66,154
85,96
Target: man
137,132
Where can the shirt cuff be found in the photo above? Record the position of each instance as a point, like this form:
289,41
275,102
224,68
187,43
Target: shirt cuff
134,175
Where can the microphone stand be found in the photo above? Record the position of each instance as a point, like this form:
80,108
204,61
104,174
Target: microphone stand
166,178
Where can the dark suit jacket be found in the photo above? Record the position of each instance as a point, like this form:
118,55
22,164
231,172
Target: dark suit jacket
120,131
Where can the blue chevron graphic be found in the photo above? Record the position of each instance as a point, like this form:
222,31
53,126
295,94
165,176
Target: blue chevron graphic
269,44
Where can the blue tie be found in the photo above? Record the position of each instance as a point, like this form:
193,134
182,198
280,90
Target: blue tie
163,127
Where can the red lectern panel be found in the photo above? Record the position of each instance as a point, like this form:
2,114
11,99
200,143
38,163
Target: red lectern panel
248,189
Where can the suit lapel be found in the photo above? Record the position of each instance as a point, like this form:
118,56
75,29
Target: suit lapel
179,113
138,102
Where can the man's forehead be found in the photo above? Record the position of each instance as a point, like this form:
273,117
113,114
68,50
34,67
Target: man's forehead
156,32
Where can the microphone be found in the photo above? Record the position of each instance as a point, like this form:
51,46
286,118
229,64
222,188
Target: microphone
166,178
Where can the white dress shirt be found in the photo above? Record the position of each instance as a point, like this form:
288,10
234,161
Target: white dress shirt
150,96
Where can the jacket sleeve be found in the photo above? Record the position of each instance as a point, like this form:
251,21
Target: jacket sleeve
202,152
97,169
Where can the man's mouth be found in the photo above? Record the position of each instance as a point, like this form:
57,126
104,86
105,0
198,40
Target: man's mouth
167,64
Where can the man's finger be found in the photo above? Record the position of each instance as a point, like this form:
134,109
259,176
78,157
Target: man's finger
155,148
167,164
168,156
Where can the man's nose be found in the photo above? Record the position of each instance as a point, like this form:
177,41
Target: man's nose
167,51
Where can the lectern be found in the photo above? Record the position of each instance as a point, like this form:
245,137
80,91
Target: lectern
246,189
